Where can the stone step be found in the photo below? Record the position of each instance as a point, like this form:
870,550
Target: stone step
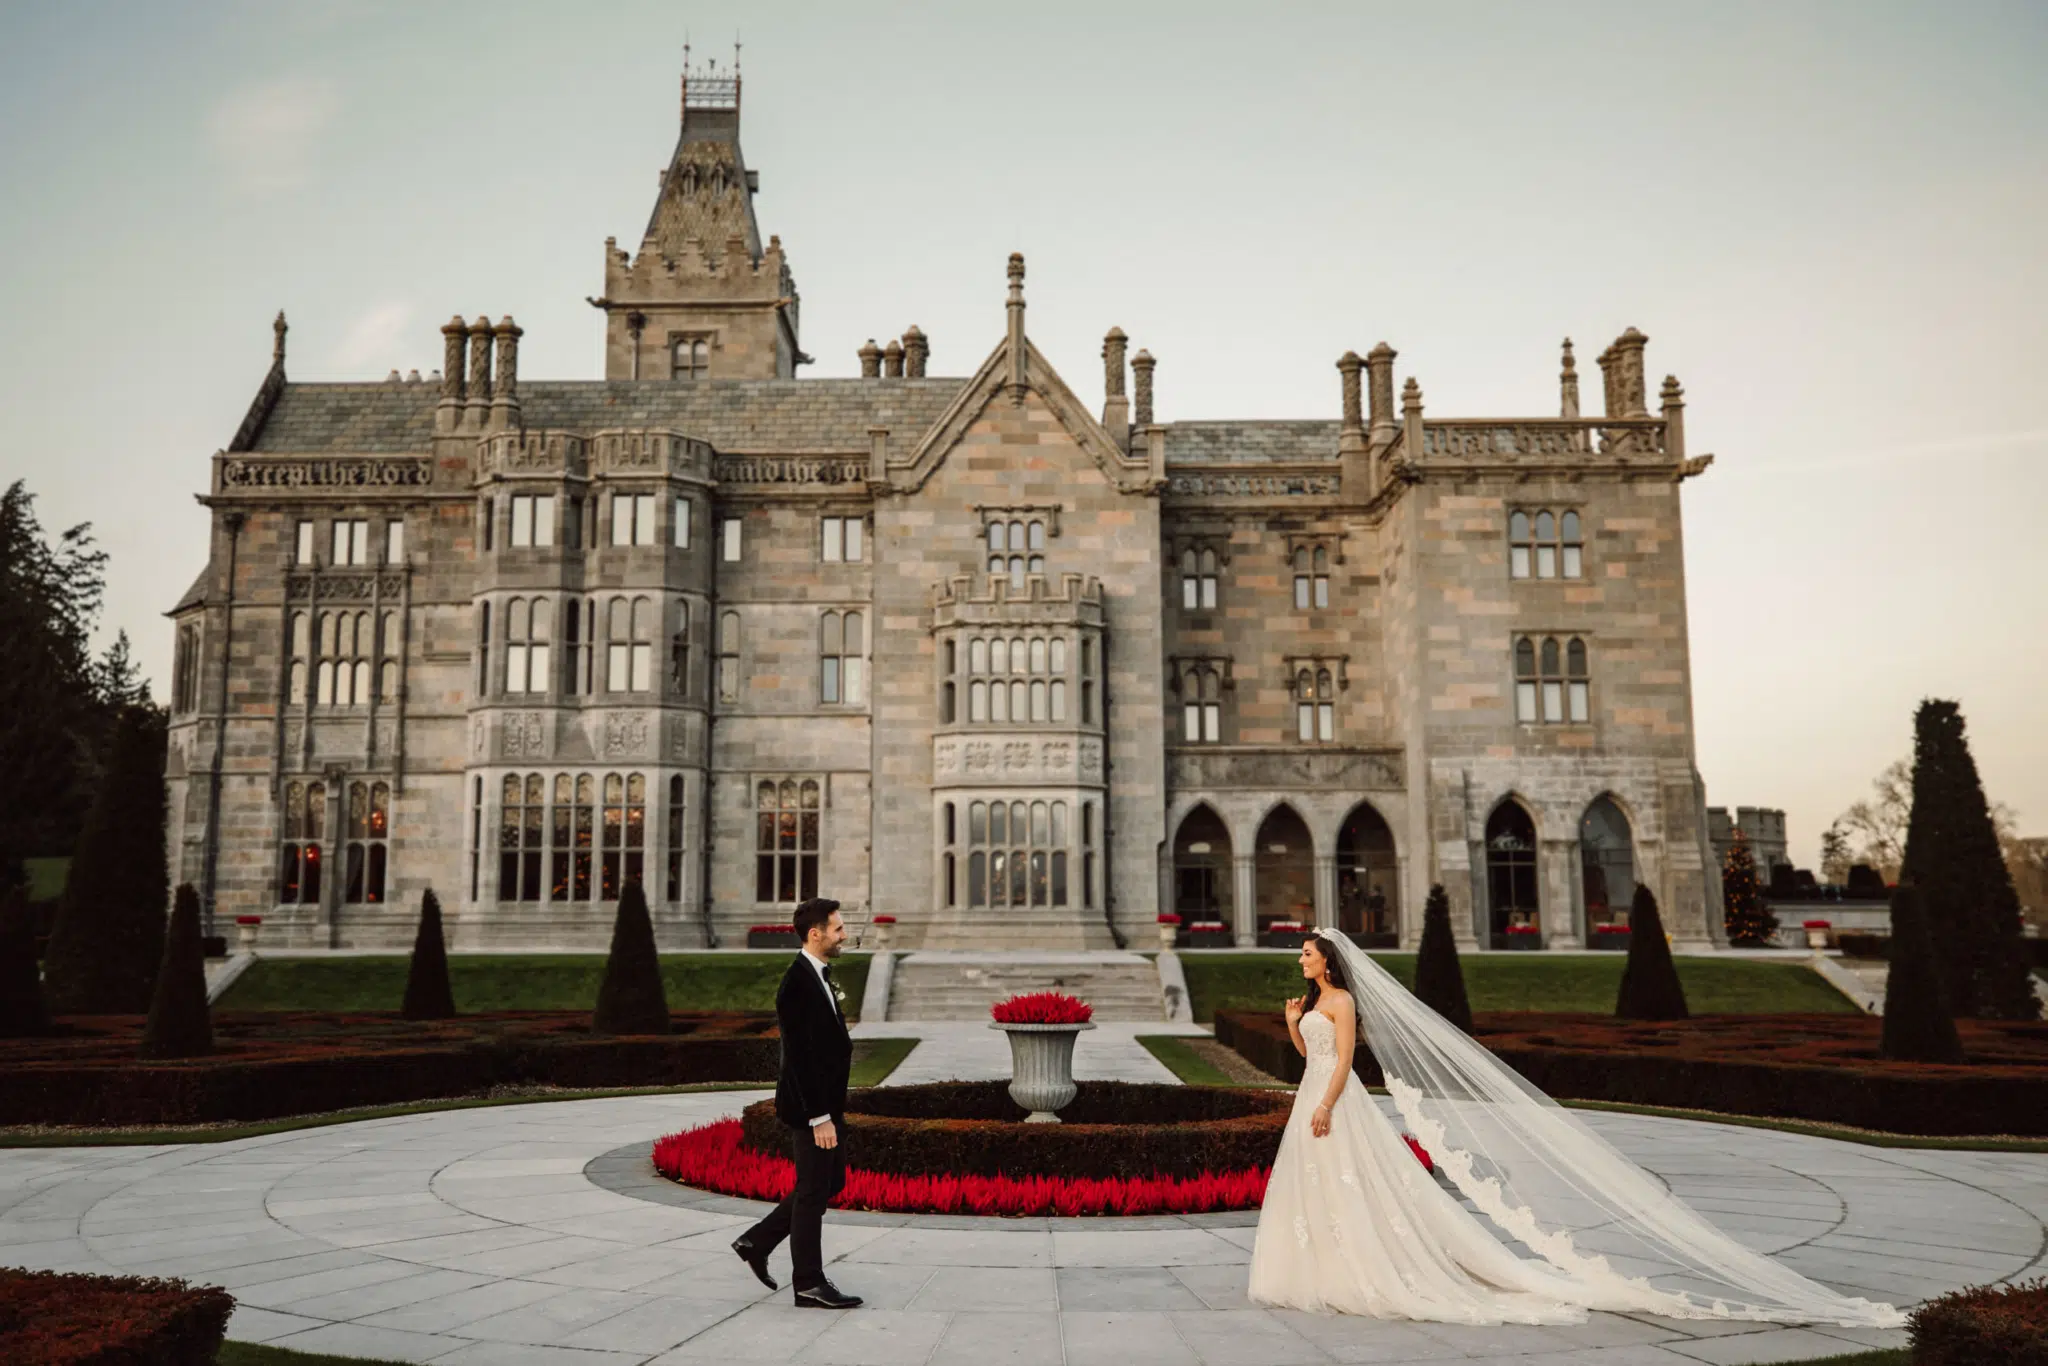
941,985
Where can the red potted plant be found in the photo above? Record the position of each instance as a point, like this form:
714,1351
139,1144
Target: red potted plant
1042,1026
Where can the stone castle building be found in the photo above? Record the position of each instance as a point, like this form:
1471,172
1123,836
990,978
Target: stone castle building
958,650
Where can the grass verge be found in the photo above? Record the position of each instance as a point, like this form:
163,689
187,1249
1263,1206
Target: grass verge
1176,1057
875,1059
1529,981
523,981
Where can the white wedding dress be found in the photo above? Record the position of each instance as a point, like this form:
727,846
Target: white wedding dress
1353,1223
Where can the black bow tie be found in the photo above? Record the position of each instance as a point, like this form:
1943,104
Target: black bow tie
825,969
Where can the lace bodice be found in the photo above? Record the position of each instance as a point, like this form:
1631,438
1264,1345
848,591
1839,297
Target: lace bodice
1320,1034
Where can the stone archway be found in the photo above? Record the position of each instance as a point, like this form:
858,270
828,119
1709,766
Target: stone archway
1368,875
1285,869
1512,898
1202,871
1607,864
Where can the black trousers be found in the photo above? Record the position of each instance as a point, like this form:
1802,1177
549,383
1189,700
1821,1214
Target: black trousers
820,1174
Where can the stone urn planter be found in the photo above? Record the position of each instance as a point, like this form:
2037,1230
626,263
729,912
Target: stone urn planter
1817,932
246,927
885,932
1169,930
1042,1026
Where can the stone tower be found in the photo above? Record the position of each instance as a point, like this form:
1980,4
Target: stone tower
702,299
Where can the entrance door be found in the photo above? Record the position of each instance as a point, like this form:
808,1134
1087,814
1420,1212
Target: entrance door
1367,885
1201,869
1511,877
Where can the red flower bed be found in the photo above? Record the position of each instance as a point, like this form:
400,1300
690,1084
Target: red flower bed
1042,1007
715,1157
1168,918
269,1064
883,920
54,1319
1988,1325
771,929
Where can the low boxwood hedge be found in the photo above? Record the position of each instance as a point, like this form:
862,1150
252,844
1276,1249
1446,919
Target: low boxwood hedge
1823,1068
50,1318
269,1065
1988,1325
1112,1129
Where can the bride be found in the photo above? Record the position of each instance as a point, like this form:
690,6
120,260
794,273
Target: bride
1353,1223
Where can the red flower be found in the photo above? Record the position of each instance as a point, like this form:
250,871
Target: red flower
1042,1007
883,920
1421,1153
771,929
1815,925
1168,918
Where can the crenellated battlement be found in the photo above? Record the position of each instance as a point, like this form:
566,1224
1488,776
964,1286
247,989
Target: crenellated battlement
1077,600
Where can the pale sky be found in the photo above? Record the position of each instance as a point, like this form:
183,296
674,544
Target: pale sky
1830,220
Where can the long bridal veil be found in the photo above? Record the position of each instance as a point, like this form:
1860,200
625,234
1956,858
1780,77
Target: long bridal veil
1546,1179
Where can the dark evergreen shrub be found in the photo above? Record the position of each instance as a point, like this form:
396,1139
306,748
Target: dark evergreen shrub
1953,857
429,995
1650,989
22,1012
179,1025
1865,882
1917,1024
1439,980
630,1000
108,941
1985,1325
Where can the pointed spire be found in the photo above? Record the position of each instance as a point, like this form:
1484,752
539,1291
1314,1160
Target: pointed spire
277,330
1016,312
1568,385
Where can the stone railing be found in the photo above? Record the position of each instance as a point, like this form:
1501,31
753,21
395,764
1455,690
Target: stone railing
532,452
1491,440
648,452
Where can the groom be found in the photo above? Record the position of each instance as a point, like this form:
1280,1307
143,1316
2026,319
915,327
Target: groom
810,1098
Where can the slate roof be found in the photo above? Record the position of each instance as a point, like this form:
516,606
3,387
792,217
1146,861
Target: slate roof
733,415
196,594
1274,442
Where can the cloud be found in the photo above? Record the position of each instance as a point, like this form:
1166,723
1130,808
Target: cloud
264,134
376,338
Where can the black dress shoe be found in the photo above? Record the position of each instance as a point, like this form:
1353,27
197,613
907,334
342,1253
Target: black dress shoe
825,1295
756,1260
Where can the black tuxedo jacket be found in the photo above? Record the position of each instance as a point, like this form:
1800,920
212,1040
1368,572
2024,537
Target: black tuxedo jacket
817,1051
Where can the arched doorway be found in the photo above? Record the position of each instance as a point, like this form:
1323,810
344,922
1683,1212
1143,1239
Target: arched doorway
1511,898
1607,864
1286,869
1201,869
1368,889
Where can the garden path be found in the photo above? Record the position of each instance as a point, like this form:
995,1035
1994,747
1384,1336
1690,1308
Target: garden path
532,1234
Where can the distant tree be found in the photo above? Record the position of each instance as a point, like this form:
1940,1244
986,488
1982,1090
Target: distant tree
1747,916
1875,828
428,992
1917,1023
116,679
1650,989
179,1025
1835,854
1439,978
631,1000
1954,859
22,1011
108,938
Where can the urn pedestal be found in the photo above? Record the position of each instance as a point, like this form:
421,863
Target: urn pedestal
1042,1067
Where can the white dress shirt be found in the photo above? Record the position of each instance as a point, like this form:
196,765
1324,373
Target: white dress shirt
818,966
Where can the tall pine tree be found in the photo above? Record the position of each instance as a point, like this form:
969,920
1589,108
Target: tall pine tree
108,939
179,1024
21,984
1650,989
428,993
1439,978
630,1000
1748,917
1917,1023
1953,857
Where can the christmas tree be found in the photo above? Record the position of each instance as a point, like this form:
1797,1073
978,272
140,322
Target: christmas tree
1748,918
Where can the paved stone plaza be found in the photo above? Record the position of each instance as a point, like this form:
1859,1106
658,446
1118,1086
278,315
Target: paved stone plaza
528,1234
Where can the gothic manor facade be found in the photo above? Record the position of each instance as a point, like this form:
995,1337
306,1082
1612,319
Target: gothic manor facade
962,651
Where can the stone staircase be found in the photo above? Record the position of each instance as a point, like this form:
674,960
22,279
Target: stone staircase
942,985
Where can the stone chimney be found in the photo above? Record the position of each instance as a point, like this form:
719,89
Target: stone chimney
1141,381
1351,436
1411,419
1116,409
454,336
1379,387
1673,400
1621,366
916,351
892,360
505,392
1014,308
871,360
1568,385
479,397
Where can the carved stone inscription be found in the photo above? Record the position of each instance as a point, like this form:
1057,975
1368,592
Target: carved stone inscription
342,472
790,469
1009,759
625,735
1253,485
1189,770
523,736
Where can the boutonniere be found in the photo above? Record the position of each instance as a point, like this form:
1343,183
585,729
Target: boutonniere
839,995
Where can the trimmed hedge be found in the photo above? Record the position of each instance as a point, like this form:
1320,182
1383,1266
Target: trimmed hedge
270,1065
1869,944
1112,1129
50,1318
1990,1325
1823,1068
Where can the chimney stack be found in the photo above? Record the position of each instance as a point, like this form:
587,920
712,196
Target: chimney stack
1621,366
916,351
1673,400
1141,379
1379,394
454,336
1116,409
871,360
892,360
505,392
1015,309
1351,436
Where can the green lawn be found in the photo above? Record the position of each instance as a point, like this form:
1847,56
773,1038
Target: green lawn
46,877
1189,1066
1528,981
526,981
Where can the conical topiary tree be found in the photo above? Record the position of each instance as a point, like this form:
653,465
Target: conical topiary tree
631,1000
22,1012
1917,1023
1439,980
108,939
1954,859
428,993
1650,989
179,1025
1747,915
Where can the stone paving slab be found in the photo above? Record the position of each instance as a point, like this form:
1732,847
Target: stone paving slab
514,1234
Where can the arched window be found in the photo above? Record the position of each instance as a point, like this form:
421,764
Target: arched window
977,656
483,649
786,841
1017,854
305,827
517,624
1038,654
729,657
389,647
618,637
1311,577
1201,704
1544,544
949,838
840,677
1315,720
679,653
298,646
1087,681
689,358
643,645
977,700
520,843
1552,680
579,634
573,822
674,849
185,670
622,853
369,830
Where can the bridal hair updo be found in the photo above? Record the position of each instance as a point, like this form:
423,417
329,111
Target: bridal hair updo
1333,967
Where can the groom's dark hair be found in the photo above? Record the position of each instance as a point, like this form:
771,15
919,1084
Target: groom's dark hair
812,915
